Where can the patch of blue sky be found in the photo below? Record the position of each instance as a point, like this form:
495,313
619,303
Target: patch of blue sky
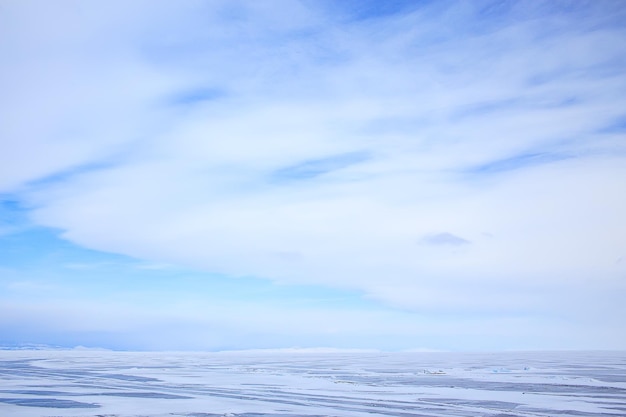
512,104
73,172
315,167
42,256
617,126
34,247
485,17
394,124
499,10
612,67
356,10
12,214
518,162
197,95
477,109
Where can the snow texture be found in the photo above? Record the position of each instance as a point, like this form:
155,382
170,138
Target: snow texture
84,383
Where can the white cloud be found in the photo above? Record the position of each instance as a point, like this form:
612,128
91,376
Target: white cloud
436,109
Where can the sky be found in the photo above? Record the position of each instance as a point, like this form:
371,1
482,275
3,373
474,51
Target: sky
397,175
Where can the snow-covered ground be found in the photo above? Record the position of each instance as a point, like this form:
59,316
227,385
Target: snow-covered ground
262,384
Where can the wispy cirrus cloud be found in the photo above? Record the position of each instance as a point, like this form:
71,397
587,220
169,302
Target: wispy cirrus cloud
316,167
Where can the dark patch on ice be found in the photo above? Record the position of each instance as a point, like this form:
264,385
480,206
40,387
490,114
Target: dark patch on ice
128,377
566,412
544,388
47,403
252,415
202,415
145,395
34,392
474,403
160,395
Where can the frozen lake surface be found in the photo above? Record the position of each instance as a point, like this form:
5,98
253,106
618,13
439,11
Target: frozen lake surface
288,384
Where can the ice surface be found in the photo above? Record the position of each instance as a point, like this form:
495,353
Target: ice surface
289,384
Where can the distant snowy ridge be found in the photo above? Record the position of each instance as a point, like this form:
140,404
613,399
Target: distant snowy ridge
31,346
302,350
41,346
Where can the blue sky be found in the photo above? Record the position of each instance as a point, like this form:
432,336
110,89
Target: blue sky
208,175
